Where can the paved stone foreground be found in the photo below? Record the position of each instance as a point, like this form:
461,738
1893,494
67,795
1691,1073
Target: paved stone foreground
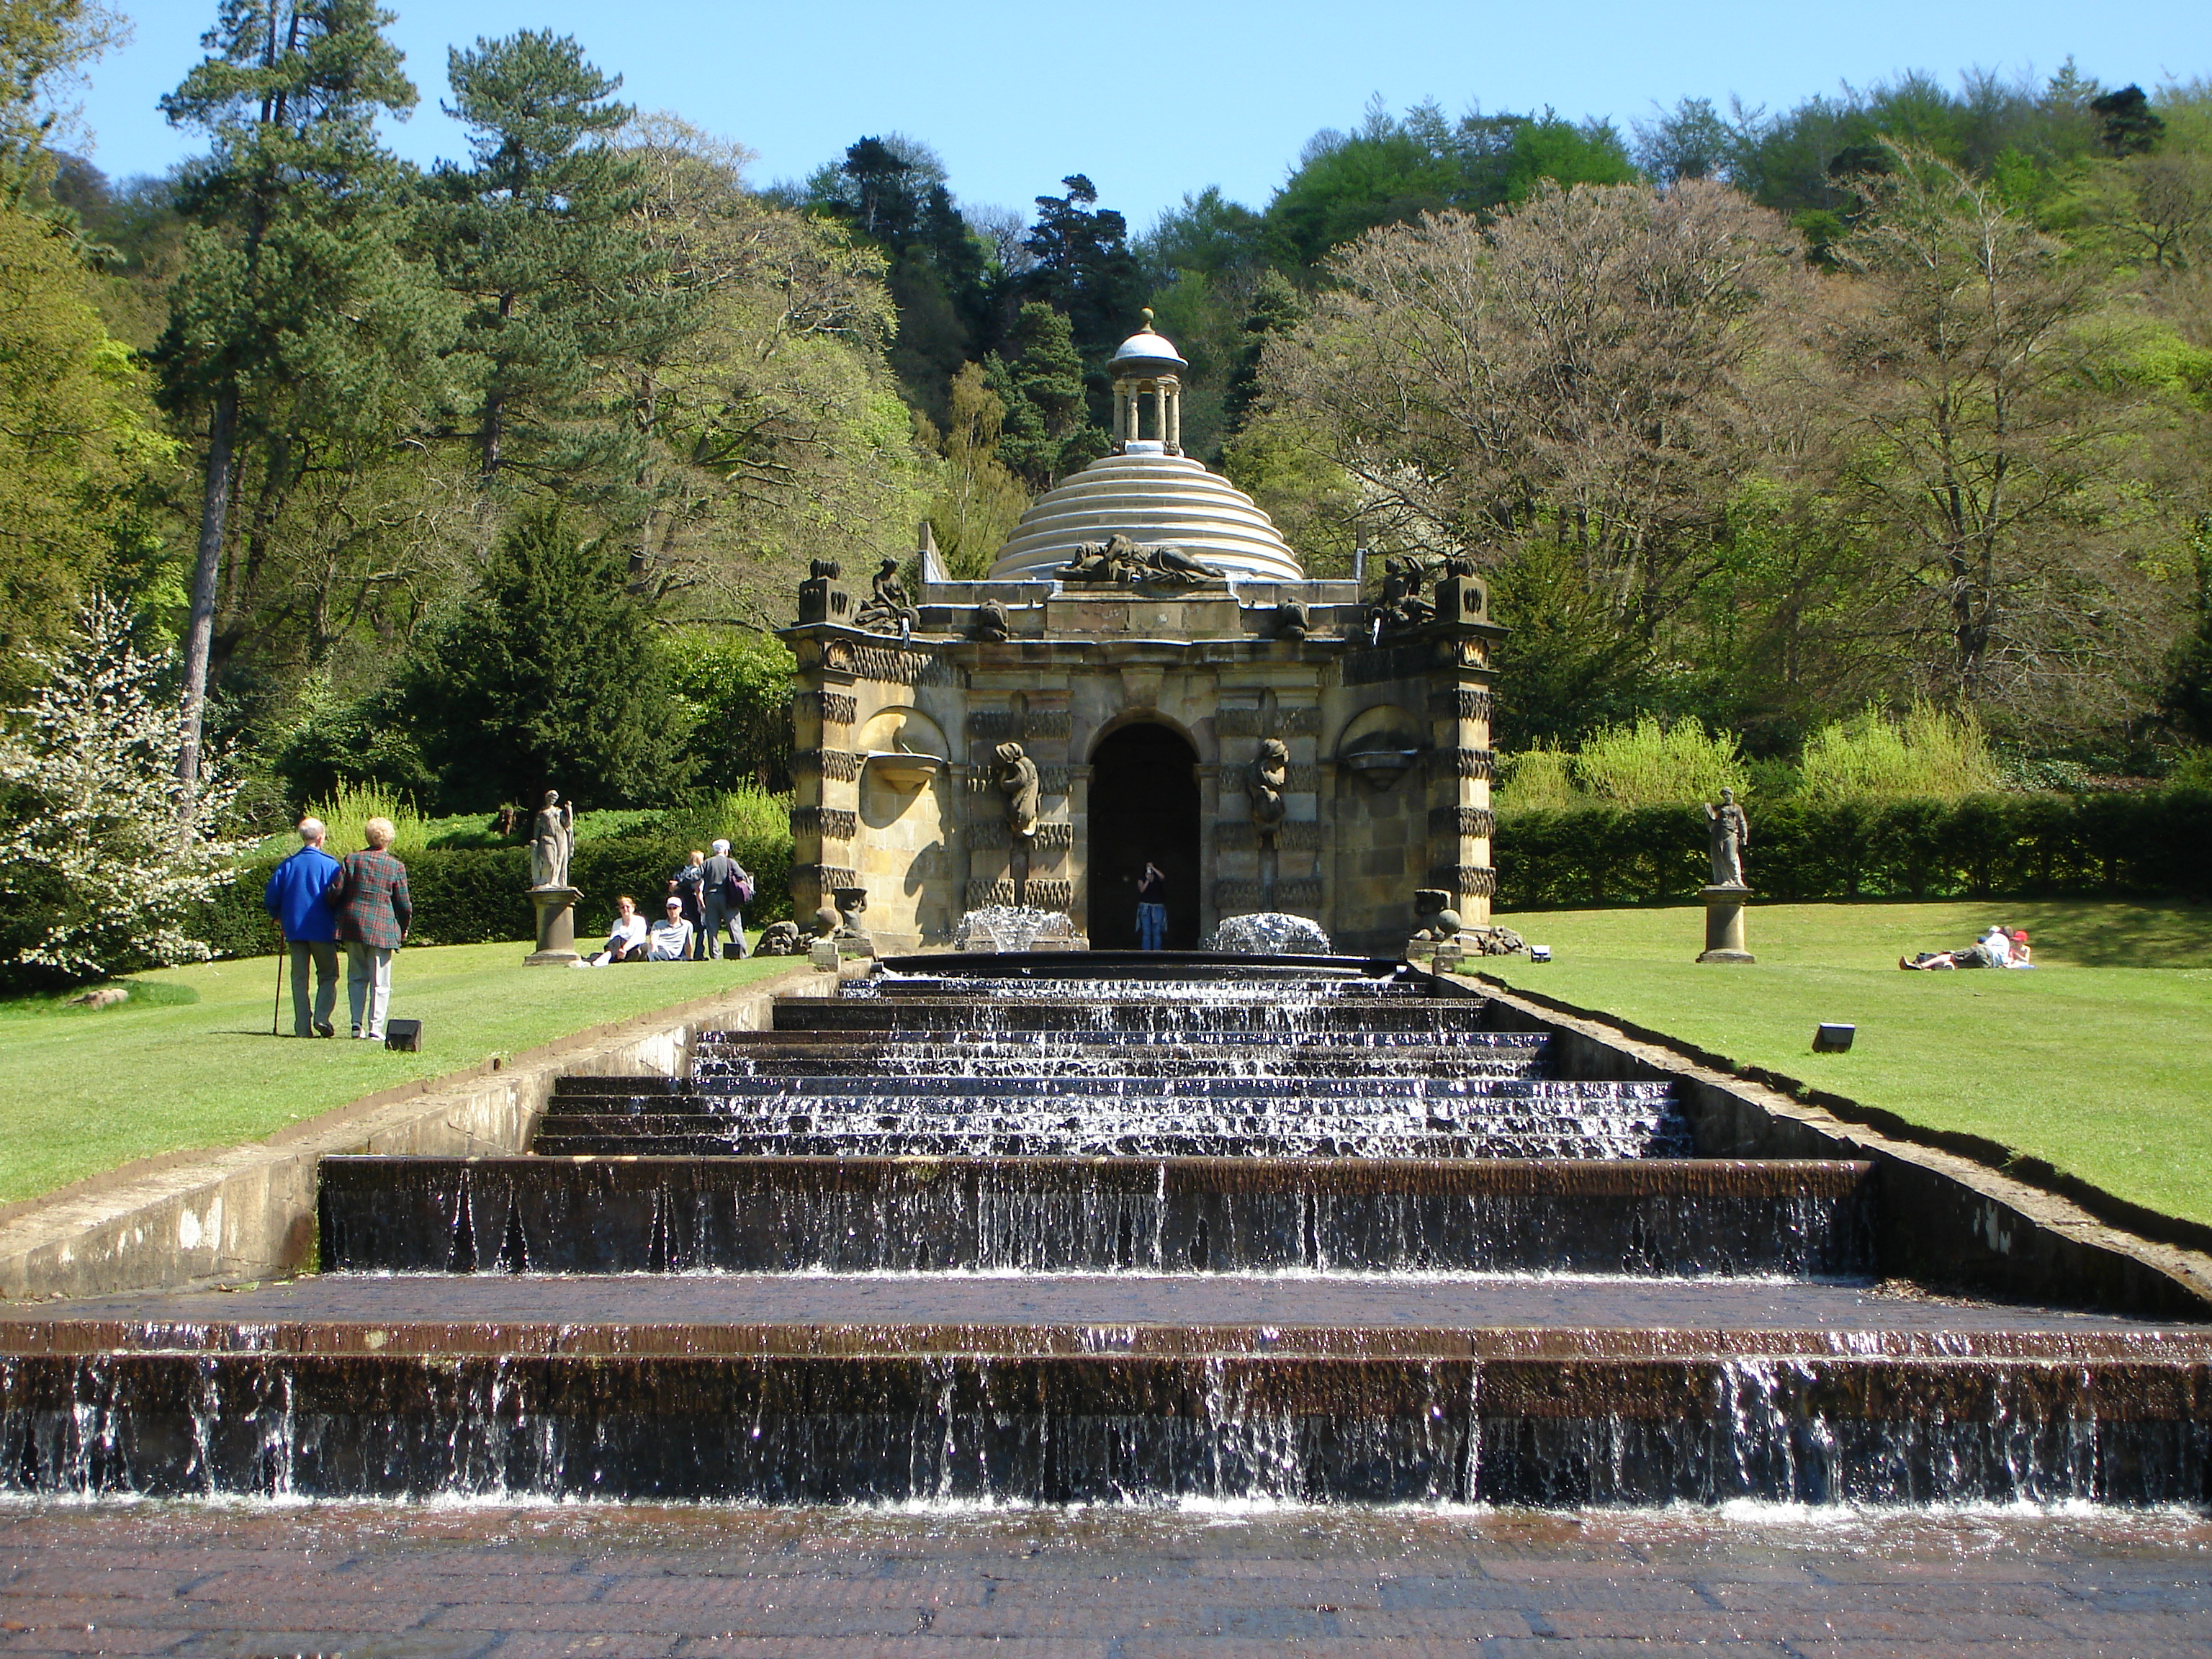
373,1581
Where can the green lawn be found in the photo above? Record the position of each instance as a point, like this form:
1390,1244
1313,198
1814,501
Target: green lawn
188,1062
2099,1061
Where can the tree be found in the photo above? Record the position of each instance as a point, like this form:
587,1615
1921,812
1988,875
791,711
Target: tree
774,431
1087,272
298,320
1043,435
105,853
1981,445
2126,124
1584,369
44,45
891,191
77,436
980,501
548,677
541,241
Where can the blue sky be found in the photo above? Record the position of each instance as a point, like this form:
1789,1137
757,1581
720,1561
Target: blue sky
1153,101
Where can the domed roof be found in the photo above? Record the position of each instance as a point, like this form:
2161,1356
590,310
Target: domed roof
1145,353
1153,497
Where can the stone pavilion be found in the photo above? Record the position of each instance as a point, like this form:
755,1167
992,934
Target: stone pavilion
1146,674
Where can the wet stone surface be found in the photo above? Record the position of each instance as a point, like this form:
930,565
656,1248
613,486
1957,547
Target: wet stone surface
1411,1301
374,1582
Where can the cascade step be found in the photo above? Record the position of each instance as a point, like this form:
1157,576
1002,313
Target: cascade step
797,1214
268,1399
1165,1021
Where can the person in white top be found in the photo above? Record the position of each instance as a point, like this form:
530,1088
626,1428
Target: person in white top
669,939
625,940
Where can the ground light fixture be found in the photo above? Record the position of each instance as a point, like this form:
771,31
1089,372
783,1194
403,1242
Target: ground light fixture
404,1035
1539,953
1834,1039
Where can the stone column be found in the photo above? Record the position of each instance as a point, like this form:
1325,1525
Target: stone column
1079,854
1724,938
1209,853
1120,417
1174,416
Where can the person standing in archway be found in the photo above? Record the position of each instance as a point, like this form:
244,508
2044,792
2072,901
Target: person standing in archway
1151,908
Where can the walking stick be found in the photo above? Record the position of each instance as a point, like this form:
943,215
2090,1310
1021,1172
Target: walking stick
277,1007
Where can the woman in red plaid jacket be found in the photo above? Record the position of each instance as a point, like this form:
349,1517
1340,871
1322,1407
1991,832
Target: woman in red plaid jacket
369,895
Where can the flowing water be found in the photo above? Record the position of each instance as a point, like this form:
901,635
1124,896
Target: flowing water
1180,1143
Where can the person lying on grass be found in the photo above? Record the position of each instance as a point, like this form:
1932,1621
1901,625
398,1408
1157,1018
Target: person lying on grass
1992,949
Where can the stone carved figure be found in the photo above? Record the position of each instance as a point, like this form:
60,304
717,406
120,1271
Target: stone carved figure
781,938
1293,622
1018,778
993,624
1271,776
553,837
1730,831
1401,606
887,609
1122,560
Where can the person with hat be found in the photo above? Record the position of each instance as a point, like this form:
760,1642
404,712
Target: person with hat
669,939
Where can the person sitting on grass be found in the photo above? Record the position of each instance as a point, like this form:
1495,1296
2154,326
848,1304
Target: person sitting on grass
669,939
625,941
1992,949
2018,957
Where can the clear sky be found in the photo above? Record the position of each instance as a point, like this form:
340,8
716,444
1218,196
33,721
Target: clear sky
1151,101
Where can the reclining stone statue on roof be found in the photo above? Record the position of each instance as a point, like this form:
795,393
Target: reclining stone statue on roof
1120,560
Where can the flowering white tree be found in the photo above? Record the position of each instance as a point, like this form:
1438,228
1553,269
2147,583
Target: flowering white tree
102,850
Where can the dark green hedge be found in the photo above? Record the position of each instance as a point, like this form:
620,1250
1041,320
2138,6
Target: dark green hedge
2154,842
470,895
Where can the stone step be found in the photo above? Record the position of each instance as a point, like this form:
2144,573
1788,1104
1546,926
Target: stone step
1696,1393
1101,1062
1292,1094
1275,1142
1164,1021
849,1215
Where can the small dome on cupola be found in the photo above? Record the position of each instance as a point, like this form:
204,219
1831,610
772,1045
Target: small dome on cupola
1147,490
1146,353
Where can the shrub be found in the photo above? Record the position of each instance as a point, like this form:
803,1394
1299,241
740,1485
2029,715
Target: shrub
349,805
2141,844
1924,754
1538,780
475,894
1651,764
106,858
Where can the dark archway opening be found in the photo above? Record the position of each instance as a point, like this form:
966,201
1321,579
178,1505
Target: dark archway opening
1143,806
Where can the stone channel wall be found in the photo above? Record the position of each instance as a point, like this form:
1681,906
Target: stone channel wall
1941,1219
248,1212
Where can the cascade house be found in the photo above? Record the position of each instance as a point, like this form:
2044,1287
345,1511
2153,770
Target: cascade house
1149,644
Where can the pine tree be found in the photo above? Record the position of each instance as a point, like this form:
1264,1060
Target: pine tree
1043,435
298,319
1084,269
539,237
550,676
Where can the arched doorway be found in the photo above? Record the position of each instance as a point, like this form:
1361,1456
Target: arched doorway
1143,806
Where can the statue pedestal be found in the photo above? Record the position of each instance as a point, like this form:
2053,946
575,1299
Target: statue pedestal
556,927
1724,924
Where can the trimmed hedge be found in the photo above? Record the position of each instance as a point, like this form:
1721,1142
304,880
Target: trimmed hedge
472,894
2153,843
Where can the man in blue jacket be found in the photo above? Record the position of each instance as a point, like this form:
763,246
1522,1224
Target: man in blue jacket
295,897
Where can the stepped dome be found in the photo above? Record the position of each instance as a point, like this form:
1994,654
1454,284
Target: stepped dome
1147,490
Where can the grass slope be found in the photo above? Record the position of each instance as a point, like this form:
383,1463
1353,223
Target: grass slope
188,1061
2099,1061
